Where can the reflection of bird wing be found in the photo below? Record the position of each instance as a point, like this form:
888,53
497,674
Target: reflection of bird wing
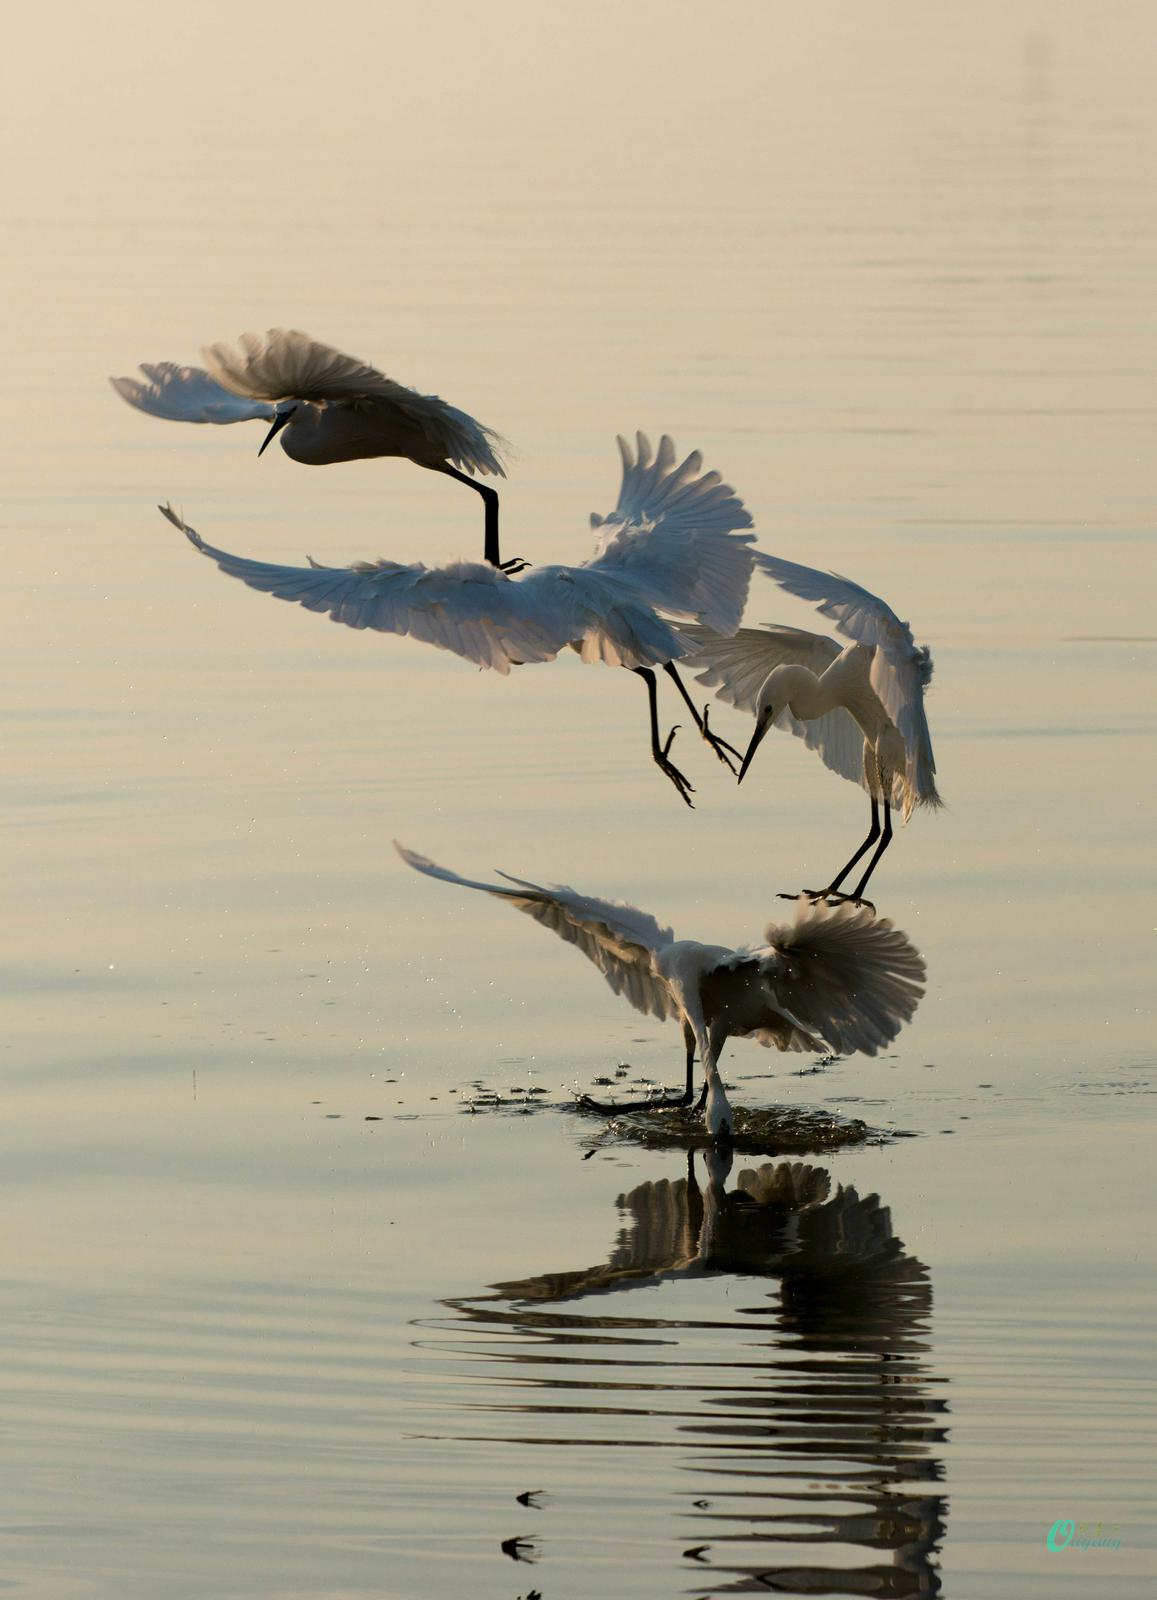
843,972
618,938
471,608
901,670
659,1245
672,537
285,364
738,667
187,394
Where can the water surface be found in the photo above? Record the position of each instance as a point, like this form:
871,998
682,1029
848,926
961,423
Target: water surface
279,1317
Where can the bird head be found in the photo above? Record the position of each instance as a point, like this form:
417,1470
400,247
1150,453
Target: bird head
717,1112
284,410
767,708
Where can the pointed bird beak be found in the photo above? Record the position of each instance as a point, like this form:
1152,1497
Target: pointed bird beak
278,424
756,740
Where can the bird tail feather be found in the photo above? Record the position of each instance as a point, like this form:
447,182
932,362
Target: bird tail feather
850,976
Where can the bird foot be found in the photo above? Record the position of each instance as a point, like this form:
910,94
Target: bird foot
612,1109
831,897
514,565
683,787
720,746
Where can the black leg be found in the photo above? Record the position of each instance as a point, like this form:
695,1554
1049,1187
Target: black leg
720,746
660,751
833,887
885,841
490,501
873,835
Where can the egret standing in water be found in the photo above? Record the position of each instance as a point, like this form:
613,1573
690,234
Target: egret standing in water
838,979
859,706
326,406
670,546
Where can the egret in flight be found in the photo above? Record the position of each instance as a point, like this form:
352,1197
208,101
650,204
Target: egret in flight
838,979
859,706
326,406
670,548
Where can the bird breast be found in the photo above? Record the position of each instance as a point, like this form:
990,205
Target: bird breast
737,996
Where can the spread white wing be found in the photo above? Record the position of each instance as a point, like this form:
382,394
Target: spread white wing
470,608
618,938
901,670
187,394
673,536
285,364
737,668
844,973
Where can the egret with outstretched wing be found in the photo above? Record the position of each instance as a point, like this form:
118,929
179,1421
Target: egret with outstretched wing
326,406
671,549
838,978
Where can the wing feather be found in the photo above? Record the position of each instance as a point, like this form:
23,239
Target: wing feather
470,608
844,974
737,668
187,394
286,364
619,939
901,669
674,536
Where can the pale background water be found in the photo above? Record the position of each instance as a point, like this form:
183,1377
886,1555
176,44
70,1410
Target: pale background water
892,268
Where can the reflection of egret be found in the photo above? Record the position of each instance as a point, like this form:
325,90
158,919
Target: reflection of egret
859,706
808,1420
838,977
670,546
330,406
782,1218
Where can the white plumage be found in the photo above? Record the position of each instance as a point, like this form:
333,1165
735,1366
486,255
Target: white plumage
837,978
671,550
327,406
859,706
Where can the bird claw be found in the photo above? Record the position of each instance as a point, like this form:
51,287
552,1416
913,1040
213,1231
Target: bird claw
609,1108
684,788
720,746
514,565
831,897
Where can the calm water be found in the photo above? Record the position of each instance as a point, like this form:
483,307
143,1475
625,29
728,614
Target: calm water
278,1316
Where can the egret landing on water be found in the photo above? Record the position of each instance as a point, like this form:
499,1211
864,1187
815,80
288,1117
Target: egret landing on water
327,407
670,546
860,707
838,979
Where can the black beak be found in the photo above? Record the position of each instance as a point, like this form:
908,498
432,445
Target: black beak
278,424
756,740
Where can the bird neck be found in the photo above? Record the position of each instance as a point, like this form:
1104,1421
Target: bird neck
798,688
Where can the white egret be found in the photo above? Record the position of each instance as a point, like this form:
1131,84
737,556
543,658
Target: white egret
859,706
327,407
670,546
838,979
